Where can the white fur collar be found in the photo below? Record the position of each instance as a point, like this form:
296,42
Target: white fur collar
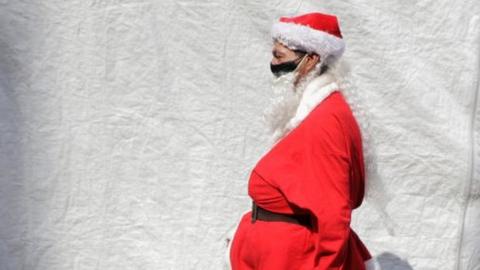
315,92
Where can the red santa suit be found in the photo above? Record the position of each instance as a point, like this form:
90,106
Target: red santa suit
317,168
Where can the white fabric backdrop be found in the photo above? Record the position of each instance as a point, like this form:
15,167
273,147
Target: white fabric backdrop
128,129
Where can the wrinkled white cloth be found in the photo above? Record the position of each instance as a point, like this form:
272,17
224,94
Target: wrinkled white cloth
128,128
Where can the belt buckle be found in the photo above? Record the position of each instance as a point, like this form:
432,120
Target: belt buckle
254,212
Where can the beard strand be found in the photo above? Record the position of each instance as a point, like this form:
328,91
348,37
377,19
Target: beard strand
285,101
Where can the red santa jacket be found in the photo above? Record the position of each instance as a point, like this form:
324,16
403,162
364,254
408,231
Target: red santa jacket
318,168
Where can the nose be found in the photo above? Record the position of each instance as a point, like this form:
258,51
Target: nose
274,61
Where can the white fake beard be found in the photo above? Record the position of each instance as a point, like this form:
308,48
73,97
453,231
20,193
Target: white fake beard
285,101
283,104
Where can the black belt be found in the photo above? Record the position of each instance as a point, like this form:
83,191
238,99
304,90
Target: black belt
266,215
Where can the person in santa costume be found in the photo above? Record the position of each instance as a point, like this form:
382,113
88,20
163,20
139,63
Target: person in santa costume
306,186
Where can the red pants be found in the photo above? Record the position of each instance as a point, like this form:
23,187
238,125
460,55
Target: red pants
266,245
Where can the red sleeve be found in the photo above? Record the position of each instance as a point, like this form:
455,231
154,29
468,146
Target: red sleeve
311,167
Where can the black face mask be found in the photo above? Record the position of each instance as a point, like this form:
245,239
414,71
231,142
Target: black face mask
285,67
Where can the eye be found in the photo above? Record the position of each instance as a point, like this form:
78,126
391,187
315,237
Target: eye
277,55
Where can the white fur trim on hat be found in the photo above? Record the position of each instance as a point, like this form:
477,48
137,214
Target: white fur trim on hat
300,37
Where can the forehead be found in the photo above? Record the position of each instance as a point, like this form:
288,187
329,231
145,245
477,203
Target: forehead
279,47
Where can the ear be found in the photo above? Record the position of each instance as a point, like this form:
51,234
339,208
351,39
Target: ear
312,60
315,58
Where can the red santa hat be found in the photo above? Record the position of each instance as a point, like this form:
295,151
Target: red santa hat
313,32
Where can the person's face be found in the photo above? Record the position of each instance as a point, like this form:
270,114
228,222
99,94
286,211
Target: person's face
282,54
